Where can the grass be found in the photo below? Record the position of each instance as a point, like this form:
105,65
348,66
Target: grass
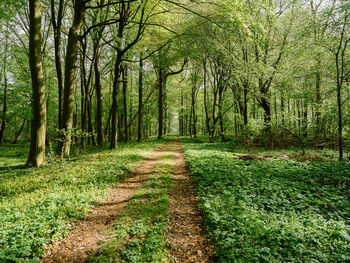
39,205
272,211
140,234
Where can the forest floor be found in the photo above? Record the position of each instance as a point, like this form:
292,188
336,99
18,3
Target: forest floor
139,204
94,238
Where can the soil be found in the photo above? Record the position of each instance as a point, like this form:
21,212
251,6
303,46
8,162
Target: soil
186,237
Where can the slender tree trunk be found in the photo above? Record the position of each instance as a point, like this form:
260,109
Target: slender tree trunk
221,117
36,155
140,115
69,76
107,129
114,132
90,124
207,119
57,24
99,104
160,104
318,99
305,119
245,104
4,109
165,106
82,101
339,105
125,102
194,116
19,131
265,104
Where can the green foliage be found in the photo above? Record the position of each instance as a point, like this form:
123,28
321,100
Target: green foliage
38,205
140,235
272,211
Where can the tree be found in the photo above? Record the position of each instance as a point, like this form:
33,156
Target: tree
69,77
36,155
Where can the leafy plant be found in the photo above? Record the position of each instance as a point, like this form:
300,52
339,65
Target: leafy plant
38,205
272,211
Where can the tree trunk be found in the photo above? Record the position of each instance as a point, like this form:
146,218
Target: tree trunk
114,132
82,101
57,24
125,102
194,117
339,104
160,104
221,117
36,155
318,102
140,115
99,104
19,131
267,114
245,104
69,76
4,109
90,124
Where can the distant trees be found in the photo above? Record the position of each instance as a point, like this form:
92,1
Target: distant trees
263,72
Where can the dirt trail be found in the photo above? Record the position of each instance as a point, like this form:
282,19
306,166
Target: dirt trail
85,239
185,235
186,238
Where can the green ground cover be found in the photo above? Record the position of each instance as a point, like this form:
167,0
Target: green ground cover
38,205
273,210
140,234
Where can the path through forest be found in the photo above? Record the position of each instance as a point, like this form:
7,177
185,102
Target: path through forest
186,238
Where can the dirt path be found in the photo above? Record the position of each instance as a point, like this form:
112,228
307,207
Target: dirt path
88,233
185,235
186,238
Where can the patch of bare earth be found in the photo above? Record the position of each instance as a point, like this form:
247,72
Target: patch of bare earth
86,238
186,237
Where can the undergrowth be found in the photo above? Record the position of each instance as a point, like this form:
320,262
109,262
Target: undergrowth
39,205
140,234
273,210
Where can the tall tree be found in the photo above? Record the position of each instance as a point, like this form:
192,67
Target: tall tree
36,155
57,25
69,77
140,113
4,108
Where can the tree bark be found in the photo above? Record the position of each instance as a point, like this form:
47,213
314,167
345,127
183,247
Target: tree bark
57,24
4,109
69,76
83,99
140,115
220,113
125,102
160,104
114,132
36,155
339,105
99,106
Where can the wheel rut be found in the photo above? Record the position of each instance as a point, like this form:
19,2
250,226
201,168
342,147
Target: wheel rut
87,235
186,237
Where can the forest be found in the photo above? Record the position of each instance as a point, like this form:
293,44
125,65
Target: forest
174,131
